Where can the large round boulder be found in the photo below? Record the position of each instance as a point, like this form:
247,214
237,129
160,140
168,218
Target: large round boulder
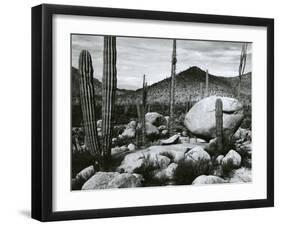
201,118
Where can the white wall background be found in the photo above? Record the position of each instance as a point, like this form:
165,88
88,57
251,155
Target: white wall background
15,114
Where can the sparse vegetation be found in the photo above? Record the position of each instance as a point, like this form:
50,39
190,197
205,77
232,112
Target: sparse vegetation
227,167
188,170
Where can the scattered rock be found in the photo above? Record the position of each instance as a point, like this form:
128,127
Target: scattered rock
232,157
167,118
242,175
126,180
203,179
161,161
151,129
132,124
246,148
184,133
114,140
131,147
99,123
129,132
164,132
200,140
219,159
212,146
192,140
115,150
162,127
172,140
134,160
167,173
197,154
86,173
102,180
242,134
184,140
155,118
120,137
99,181
124,148
201,120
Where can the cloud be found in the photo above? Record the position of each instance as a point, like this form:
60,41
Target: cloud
150,56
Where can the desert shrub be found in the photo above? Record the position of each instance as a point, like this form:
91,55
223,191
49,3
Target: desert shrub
246,160
80,161
76,184
227,167
153,137
188,170
147,170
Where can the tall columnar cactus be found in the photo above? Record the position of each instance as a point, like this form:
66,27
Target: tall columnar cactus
109,83
87,95
138,128
207,84
219,125
201,90
172,88
143,109
242,65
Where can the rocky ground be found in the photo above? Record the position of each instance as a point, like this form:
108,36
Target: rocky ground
176,160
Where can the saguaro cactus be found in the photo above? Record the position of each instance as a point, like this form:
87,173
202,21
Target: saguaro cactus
139,129
219,125
143,109
172,88
242,65
109,82
201,90
207,84
87,95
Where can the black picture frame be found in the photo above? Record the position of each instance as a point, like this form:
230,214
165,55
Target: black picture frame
42,111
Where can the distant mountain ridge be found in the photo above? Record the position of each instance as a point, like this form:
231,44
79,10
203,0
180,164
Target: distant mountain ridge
187,86
97,84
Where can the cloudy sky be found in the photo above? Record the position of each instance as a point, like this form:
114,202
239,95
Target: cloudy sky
138,56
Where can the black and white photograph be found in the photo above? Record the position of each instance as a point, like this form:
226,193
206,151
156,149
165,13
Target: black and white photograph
150,112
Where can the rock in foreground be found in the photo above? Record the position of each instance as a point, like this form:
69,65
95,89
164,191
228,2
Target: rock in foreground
233,158
242,175
203,179
103,180
86,173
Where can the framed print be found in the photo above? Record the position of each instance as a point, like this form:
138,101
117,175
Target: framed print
146,112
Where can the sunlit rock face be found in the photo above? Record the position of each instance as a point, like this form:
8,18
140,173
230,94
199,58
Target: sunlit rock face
201,118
